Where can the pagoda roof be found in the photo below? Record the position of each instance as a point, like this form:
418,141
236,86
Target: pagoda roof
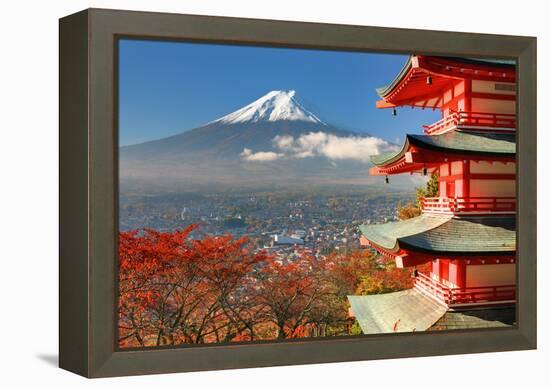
385,90
501,63
480,317
409,86
445,235
404,311
457,142
412,311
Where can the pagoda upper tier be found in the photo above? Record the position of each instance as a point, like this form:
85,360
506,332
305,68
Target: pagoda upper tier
419,240
463,243
471,93
430,151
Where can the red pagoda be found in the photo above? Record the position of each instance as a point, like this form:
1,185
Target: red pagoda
466,235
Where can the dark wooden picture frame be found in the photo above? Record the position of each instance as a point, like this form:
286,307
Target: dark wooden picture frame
88,192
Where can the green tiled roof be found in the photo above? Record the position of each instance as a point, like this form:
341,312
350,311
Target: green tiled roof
404,311
386,235
487,61
493,317
473,143
446,235
382,91
411,311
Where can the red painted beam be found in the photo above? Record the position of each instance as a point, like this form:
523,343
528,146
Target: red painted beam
383,104
460,70
411,260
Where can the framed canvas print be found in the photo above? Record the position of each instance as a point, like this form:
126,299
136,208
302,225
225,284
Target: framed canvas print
244,193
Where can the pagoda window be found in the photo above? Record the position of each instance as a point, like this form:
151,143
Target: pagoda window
456,168
444,170
459,88
447,96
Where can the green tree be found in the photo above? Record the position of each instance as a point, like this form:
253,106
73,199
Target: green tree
411,210
430,190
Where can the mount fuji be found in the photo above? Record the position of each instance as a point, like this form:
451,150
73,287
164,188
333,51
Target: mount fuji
289,143
276,105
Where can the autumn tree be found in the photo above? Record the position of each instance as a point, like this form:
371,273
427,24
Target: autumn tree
173,291
408,211
178,290
292,292
146,270
385,277
413,209
226,267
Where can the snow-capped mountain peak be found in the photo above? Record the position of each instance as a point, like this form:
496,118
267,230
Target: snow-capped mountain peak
277,105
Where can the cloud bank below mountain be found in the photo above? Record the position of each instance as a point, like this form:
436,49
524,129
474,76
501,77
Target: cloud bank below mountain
321,144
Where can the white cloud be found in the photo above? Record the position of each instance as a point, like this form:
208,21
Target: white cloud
283,142
248,155
321,144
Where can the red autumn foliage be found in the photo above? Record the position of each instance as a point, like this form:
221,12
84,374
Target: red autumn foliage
175,290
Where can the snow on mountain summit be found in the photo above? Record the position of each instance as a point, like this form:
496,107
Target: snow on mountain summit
277,105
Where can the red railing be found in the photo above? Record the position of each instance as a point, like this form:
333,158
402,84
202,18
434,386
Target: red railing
466,295
433,288
448,122
478,120
466,205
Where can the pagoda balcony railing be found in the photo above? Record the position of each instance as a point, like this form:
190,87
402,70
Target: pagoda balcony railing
473,120
469,205
466,295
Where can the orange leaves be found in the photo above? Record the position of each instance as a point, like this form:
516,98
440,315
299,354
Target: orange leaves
177,290
384,277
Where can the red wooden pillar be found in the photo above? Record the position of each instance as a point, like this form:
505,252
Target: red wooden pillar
468,95
444,269
459,273
466,178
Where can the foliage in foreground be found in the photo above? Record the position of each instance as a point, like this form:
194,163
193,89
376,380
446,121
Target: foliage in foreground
174,290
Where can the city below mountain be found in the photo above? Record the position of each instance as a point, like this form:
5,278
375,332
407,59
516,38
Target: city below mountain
272,141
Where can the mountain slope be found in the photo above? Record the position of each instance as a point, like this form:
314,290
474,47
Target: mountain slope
254,126
212,154
225,141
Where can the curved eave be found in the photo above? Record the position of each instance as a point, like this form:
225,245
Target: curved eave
472,144
386,236
469,143
384,159
385,90
442,70
500,252
445,236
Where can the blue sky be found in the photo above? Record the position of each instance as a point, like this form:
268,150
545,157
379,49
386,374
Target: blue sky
169,87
